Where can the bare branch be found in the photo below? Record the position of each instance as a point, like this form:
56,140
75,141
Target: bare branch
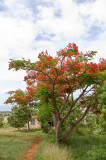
75,107
41,72
82,116
74,102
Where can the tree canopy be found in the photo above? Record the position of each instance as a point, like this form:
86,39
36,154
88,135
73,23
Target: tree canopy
67,82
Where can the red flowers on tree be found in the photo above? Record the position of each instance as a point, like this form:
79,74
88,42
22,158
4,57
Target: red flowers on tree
62,76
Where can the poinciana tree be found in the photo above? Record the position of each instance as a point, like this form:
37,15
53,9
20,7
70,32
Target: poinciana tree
59,79
24,100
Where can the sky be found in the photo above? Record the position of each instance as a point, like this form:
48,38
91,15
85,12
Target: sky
28,27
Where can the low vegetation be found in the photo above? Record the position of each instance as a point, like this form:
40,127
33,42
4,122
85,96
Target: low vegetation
76,147
14,145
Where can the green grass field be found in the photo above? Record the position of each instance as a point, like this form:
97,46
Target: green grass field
14,146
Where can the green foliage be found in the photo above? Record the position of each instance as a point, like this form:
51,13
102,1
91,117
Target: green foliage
97,153
1,120
45,108
18,117
92,124
102,121
44,116
102,98
43,92
102,101
82,144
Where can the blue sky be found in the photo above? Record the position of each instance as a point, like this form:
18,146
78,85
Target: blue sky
28,27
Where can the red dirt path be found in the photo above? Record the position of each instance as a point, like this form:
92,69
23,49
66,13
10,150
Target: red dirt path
32,149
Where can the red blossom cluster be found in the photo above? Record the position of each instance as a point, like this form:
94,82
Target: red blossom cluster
22,97
83,106
64,73
10,64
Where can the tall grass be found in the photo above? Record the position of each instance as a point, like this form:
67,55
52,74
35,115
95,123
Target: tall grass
75,148
49,151
81,145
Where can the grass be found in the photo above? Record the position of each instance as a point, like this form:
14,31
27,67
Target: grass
75,148
48,150
14,145
52,152
82,144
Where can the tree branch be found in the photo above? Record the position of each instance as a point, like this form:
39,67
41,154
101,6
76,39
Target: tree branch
70,129
74,102
82,116
65,100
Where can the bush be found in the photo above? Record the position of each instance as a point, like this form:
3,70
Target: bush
1,124
97,153
46,127
1,120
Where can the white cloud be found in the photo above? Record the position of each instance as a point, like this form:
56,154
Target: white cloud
70,24
62,21
16,38
96,12
100,47
15,34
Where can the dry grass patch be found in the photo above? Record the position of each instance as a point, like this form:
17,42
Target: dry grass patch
53,152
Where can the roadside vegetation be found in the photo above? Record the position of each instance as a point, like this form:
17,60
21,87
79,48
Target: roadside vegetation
76,147
15,144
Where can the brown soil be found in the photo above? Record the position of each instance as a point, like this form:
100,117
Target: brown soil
32,149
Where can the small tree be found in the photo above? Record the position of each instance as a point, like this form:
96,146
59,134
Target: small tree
24,100
60,78
17,117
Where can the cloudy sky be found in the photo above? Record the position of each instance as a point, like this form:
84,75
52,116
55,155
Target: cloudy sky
28,27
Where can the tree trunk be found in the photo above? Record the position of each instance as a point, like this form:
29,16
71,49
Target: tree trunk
67,133
70,129
54,120
58,131
28,121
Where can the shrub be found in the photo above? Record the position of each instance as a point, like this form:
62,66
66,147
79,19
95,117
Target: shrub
1,124
97,153
1,120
